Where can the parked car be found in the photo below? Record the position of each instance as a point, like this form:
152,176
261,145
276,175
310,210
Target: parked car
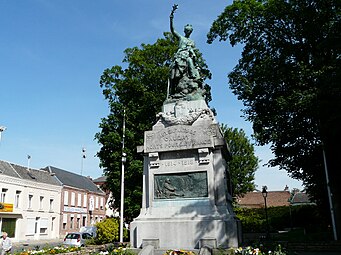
76,239
89,229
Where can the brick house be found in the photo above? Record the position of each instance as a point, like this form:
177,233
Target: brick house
82,201
110,209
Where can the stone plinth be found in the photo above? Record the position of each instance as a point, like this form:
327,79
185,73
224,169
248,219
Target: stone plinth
186,184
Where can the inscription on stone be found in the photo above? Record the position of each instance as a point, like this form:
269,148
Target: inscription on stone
179,138
174,163
179,186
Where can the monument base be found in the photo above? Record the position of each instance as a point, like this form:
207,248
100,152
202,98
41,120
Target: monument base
191,226
185,233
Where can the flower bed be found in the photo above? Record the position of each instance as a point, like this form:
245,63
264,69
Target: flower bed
277,250
179,252
46,251
114,250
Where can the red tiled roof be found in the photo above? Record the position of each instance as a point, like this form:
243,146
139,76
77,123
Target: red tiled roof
256,199
301,198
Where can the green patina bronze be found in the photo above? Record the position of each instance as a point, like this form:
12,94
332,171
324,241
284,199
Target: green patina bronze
181,185
185,81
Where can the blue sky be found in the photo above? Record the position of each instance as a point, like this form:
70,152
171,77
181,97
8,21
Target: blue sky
52,54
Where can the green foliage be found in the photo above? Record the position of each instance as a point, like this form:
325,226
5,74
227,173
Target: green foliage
108,231
281,217
140,88
252,220
288,78
243,163
121,251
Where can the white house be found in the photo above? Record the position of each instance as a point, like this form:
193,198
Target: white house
29,203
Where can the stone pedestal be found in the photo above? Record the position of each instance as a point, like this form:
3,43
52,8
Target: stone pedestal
186,185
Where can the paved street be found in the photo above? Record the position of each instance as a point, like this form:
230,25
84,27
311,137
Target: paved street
19,246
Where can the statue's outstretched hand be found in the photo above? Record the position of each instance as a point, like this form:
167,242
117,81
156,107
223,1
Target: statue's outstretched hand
175,6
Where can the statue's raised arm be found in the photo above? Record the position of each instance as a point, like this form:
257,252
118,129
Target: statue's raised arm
171,17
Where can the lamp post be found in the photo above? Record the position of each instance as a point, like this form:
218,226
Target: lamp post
265,194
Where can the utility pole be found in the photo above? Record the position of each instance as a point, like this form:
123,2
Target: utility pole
122,178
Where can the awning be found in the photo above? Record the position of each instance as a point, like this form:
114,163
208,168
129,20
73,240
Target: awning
10,215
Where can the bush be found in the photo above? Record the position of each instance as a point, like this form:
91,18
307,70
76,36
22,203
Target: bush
252,219
108,231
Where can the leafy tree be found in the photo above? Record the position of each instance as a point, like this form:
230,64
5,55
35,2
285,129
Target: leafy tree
140,88
243,163
288,78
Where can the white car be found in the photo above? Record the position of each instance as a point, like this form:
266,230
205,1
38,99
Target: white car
76,239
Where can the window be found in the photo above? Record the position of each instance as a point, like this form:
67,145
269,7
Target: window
3,195
96,202
30,198
51,204
41,203
30,226
84,200
79,200
66,198
102,203
71,222
44,222
64,220
17,199
73,199
91,203
78,222
84,221
86,236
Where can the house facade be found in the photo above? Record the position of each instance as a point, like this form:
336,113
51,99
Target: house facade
110,210
82,202
29,203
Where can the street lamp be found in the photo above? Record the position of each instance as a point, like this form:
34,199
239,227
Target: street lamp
2,129
265,194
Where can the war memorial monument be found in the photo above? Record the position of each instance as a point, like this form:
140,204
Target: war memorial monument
187,201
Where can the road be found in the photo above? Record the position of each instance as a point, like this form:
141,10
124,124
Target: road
32,245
